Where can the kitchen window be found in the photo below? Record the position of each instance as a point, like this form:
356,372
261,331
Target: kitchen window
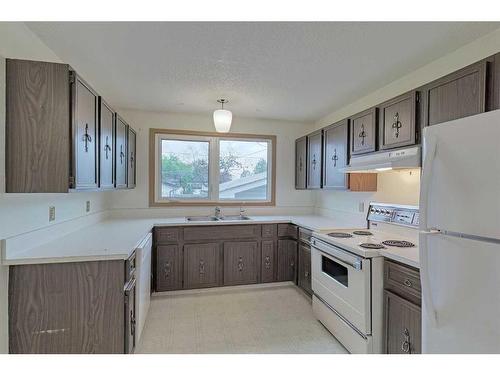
195,168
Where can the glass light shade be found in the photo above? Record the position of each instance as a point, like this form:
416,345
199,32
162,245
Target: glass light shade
222,120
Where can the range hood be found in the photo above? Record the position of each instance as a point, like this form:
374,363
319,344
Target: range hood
403,158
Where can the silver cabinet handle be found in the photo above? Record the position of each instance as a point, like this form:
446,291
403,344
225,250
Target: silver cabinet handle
87,138
405,346
166,270
407,283
202,267
240,264
267,262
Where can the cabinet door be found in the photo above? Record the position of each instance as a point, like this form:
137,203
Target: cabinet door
457,95
304,276
287,260
300,163
402,325
335,155
168,268
314,142
363,134
85,142
106,145
37,140
267,267
121,162
397,121
131,177
202,265
241,263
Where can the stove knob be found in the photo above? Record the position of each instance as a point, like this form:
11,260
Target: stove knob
377,211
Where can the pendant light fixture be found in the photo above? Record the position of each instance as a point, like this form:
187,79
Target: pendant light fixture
222,117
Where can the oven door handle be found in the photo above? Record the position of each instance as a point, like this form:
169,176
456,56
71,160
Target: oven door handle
334,252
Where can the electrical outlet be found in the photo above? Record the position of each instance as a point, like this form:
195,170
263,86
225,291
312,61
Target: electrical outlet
361,207
87,206
52,213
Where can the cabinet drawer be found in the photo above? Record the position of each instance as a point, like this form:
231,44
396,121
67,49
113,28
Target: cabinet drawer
305,235
403,281
269,230
221,232
166,235
287,230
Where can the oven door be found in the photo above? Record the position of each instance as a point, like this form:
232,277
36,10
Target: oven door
343,281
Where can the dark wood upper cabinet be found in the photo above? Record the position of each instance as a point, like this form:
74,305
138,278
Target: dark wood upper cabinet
459,94
363,132
335,143
121,153
37,133
85,134
314,156
300,163
106,145
59,134
131,173
398,121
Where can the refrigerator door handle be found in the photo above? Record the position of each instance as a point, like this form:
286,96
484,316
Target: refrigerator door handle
430,310
430,146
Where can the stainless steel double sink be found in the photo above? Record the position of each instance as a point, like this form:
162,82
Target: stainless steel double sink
221,218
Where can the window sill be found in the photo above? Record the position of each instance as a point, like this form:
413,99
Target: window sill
210,203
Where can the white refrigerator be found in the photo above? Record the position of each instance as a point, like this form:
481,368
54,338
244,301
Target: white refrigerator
460,236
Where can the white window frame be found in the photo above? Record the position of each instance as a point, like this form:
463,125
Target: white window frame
158,135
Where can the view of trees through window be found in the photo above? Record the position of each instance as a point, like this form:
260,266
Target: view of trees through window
243,169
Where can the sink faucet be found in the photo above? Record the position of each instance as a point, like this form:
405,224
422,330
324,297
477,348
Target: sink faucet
217,212
242,211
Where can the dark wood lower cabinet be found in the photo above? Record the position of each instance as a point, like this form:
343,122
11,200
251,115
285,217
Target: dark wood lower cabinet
241,261
202,265
403,325
268,261
304,274
403,316
67,308
287,260
169,267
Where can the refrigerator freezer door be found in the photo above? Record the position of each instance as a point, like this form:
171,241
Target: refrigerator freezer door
461,176
463,289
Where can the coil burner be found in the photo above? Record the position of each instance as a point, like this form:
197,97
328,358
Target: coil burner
398,243
362,233
369,245
340,235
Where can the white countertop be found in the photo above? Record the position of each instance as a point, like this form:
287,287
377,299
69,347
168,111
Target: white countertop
117,238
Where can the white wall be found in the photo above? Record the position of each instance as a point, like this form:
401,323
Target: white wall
398,187
287,198
20,213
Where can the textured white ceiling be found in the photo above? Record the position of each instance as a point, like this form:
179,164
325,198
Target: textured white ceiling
289,71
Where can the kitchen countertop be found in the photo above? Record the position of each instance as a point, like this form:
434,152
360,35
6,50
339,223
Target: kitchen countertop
115,238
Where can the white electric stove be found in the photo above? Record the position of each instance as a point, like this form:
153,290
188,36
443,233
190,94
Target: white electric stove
347,274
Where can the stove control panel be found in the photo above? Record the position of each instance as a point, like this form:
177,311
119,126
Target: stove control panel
397,214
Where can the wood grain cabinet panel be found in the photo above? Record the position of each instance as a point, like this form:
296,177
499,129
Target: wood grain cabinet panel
37,127
403,325
268,261
288,230
67,308
335,146
85,134
287,260
397,121
241,262
106,145
121,153
131,148
363,132
314,157
169,268
202,263
300,163
167,235
221,232
269,230
457,95
304,273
